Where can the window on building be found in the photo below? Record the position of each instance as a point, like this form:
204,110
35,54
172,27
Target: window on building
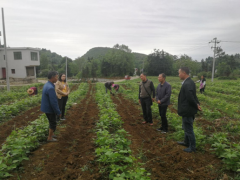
17,55
13,71
34,56
4,57
30,71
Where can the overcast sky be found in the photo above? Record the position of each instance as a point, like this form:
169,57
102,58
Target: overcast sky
72,27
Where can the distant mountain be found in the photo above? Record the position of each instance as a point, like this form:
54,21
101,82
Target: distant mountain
97,52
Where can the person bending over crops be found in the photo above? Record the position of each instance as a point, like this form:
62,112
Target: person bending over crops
108,86
116,87
62,91
188,105
146,89
32,91
163,94
49,104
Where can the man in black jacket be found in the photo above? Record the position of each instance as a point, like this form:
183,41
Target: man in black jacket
163,94
188,105
108,86
146,89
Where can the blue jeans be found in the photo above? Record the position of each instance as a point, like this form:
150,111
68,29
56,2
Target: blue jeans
189,137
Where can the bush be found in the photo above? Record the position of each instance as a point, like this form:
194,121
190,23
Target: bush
235,73
227,78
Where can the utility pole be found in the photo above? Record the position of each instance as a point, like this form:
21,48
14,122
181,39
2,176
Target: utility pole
66,68
215,41
5,51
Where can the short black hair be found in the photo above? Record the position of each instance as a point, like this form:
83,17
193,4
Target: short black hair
60,76
144,74
185,69
52,74
163,75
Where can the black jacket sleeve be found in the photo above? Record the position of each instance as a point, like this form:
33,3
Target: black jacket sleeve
139,91
152,89
157,93
189,94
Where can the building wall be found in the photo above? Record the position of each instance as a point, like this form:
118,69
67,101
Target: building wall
18,65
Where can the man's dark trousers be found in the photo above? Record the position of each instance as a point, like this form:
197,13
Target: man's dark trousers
146,107
189,137
162,112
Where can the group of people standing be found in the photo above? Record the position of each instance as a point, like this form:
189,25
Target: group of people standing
56,90
188,104
54,99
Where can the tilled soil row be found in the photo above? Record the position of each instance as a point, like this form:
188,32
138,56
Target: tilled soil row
22,120
19,121
72,157
164,158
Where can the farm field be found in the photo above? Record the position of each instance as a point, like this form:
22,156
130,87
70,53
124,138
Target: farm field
104,138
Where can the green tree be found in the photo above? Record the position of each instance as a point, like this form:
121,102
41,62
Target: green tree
122,47
224,69
117,63
159,62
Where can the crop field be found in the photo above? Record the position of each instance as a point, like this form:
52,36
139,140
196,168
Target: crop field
104,138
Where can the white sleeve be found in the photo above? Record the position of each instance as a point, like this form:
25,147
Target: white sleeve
204,83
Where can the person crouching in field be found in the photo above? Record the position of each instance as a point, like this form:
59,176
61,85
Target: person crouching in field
32,91
108,86
163,94
62,91
49,104
146,89
116,87
188,105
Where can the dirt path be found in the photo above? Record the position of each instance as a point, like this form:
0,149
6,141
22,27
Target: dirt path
74,152
164,158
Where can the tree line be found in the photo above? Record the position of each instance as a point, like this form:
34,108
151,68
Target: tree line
119,61
226,66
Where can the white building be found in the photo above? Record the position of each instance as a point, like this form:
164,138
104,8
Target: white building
22,62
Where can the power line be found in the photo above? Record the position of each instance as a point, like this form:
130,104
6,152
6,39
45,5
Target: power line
231,41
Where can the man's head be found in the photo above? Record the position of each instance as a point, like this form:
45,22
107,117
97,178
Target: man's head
53,76
183,73
143,77
112,83
161,78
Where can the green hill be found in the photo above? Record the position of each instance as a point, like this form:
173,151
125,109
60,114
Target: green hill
101,51
96,52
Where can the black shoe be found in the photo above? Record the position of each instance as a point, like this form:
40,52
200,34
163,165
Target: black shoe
189,150
63,118
159,129
183,144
